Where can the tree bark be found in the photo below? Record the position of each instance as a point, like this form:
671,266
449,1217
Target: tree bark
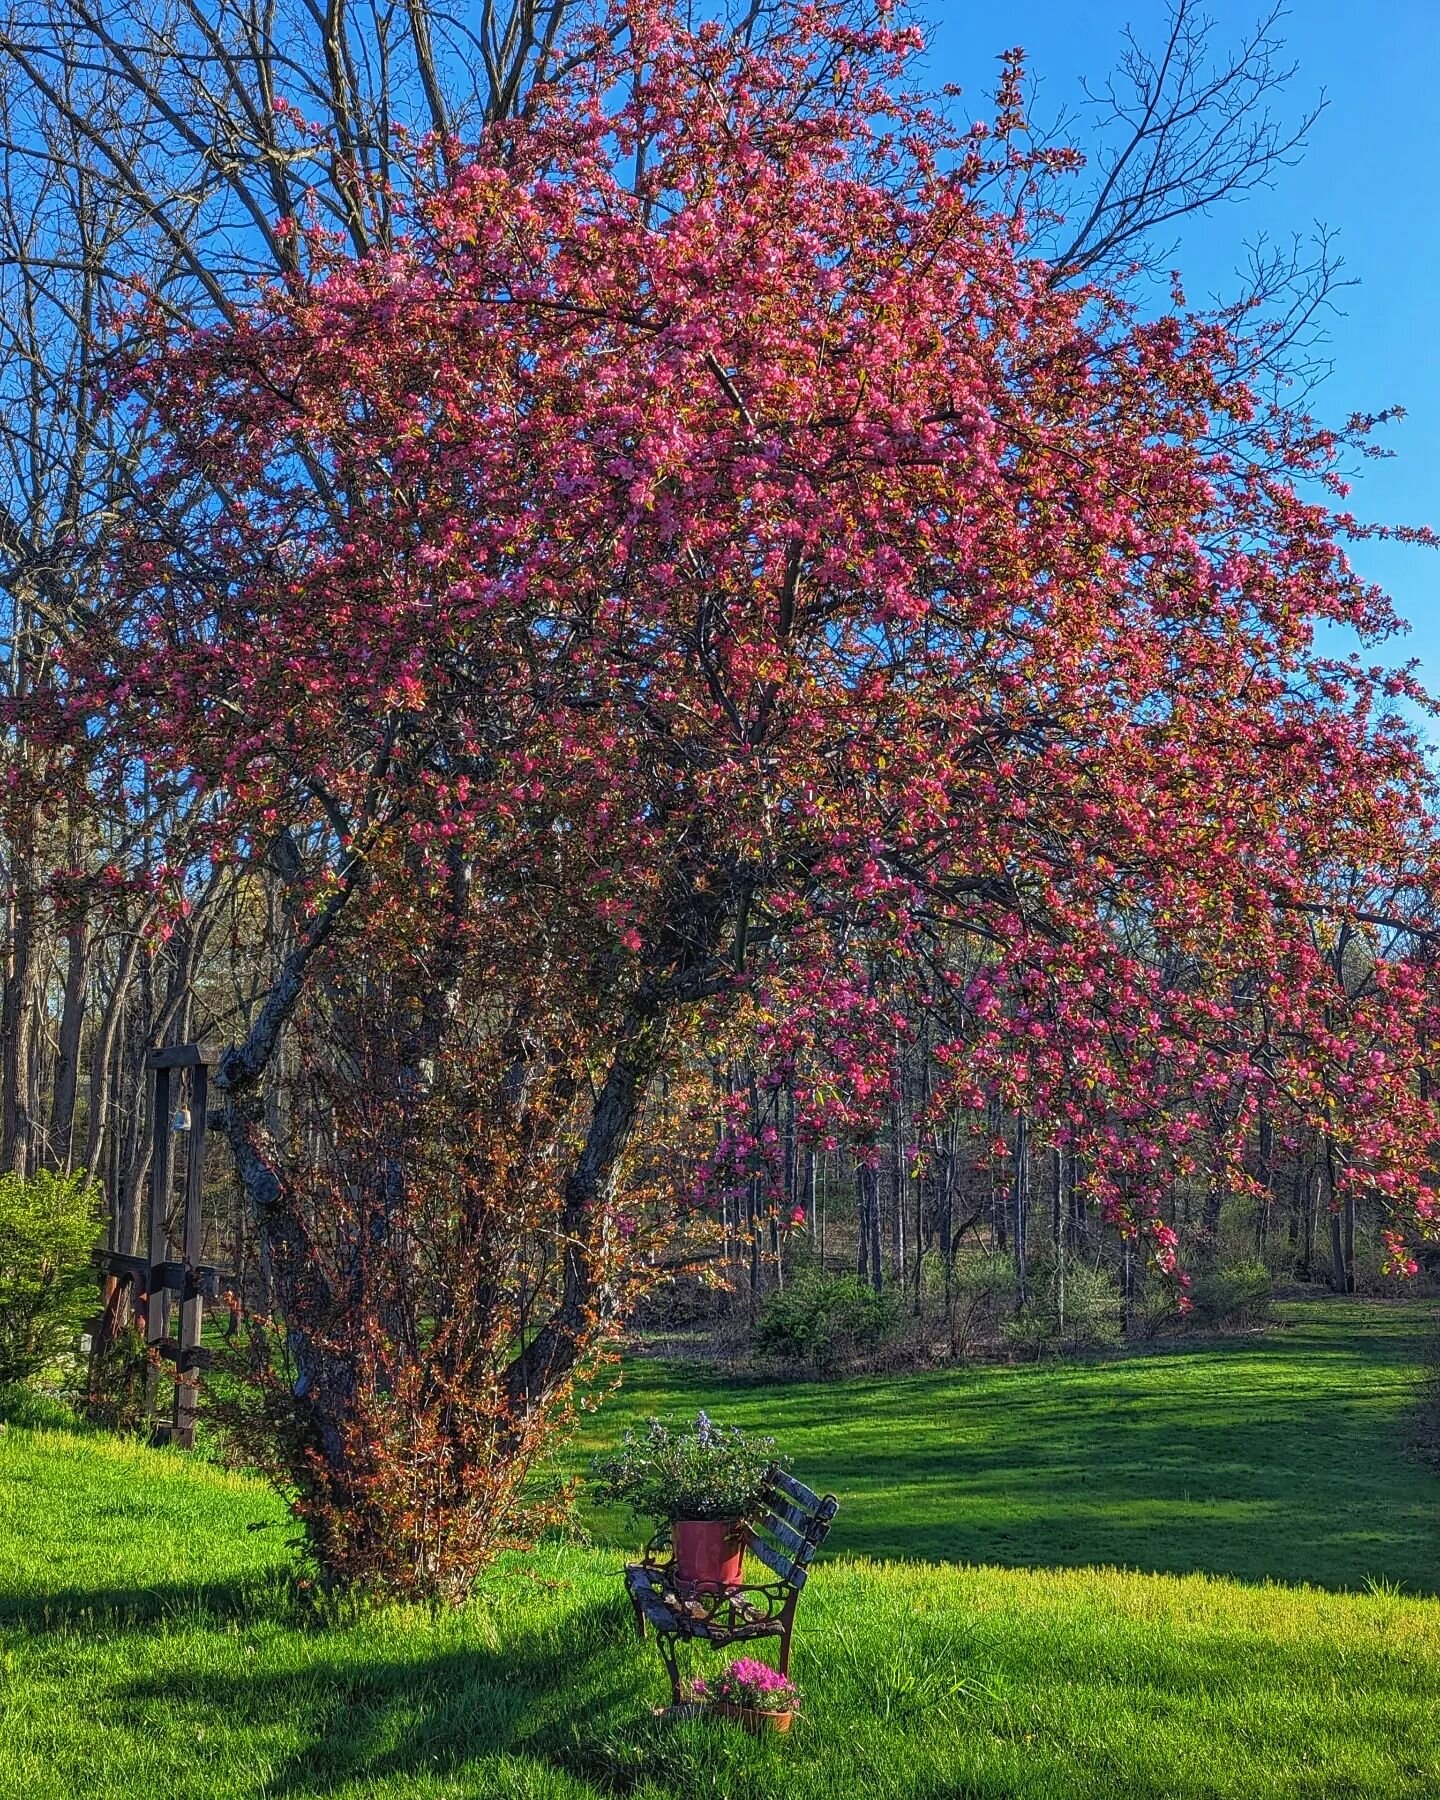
67,1059
16,1014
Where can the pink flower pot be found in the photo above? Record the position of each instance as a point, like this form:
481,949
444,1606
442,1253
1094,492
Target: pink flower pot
709,1554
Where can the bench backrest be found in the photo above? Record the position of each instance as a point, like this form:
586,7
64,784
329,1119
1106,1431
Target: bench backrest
790,1527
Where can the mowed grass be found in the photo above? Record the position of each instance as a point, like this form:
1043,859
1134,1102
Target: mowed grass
149,1644
1279,1455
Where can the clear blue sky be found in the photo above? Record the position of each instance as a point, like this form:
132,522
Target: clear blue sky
1371,173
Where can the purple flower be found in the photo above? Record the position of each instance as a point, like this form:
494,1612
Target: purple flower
749,1682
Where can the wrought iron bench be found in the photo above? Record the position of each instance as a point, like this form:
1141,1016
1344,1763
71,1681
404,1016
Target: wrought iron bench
790,1528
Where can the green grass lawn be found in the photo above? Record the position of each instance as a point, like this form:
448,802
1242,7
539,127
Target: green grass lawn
148,1644
1278,1456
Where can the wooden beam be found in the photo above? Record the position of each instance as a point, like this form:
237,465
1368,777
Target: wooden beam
116,1262
162,1167
185,1357
184,1056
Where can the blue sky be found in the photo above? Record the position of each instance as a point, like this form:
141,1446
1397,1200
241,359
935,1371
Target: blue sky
1371,173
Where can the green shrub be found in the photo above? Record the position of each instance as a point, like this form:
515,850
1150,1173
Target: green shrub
48,1227
1091,1303
819,1319
1231,1293
982,1296
1083,1312
1031,1328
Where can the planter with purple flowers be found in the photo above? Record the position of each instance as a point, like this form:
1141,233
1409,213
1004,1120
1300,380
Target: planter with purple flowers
751,1694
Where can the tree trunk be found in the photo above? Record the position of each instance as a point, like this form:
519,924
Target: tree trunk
1266,1177
870,1257
1020,1200
1342,1230
1210,1215
1057,1232
897,1223
102,1053
67,1061
998,1199
589,1188
16,1013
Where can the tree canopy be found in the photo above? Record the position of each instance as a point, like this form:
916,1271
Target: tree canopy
708,577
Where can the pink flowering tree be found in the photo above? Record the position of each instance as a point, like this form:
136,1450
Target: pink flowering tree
711,577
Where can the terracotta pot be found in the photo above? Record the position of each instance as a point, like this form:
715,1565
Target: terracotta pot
752,1718
708,1554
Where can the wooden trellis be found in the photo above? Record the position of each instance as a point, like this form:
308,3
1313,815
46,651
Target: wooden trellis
147,1283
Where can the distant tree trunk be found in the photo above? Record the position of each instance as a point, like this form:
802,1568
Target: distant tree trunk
1312,1206
897,1159
1210,1215
1339,1274
102,1054
875,1262
945,1207
1342,1229
754,1222
17,1011
923,1225
792,1152
869,1187
1020,1196
67,1058
1127,1285
1057,1231
1266,1177
862,1223
1075,1226
998,1197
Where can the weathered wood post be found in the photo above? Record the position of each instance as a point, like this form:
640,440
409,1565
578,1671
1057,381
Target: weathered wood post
192,1304
184,1276
154,1295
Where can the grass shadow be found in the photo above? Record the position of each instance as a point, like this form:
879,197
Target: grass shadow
1239,1458
376,1717
101,1611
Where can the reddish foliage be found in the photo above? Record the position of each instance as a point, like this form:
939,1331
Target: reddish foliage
707,571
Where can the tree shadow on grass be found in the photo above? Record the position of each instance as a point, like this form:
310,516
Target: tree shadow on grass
101,1612
541,1693
1176,1462
558,1701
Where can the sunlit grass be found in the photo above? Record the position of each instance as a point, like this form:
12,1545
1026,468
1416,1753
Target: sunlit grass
148,1643
1280,1455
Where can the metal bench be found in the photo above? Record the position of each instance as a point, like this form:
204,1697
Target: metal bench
790,1528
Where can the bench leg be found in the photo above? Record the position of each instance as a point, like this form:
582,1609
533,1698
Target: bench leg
787,1630
665,1643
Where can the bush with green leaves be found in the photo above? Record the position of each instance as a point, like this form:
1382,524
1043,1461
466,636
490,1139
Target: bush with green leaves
48,1227
982,1296
1087,1304
1074,1305
821,1319
1231,1293
696,1471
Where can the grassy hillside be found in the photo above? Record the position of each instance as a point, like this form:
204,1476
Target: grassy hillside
148,1644
1277,1456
